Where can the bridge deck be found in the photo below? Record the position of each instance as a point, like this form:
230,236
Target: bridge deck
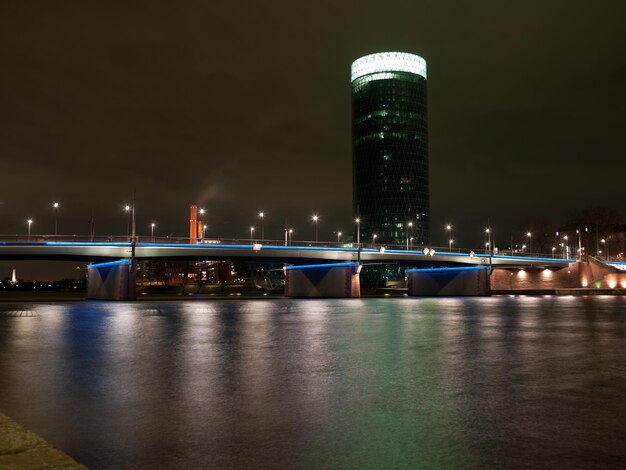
96,251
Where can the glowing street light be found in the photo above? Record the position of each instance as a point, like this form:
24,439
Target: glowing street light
315,219
203,222
358,232
55,207
553,250
449,229
374,237
262,217
251,232
338,235
30,222
488,232
152,225
290,235
408,234
450,244
127,210
530,243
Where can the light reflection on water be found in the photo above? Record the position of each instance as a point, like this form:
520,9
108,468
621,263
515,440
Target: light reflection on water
452,382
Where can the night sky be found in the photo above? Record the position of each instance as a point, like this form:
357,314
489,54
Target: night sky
245,106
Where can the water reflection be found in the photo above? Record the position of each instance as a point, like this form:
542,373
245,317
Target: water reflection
503,381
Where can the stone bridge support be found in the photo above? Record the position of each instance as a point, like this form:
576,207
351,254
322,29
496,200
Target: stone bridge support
455,281
339,280
111,281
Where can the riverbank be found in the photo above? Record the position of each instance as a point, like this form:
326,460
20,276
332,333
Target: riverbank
24,450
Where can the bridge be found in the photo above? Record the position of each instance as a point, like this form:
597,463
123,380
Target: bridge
235,250
311,270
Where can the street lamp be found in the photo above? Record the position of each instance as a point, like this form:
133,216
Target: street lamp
408,230
202,222
488,232
358,232
530,242
450,245
251,232
374,237
152,225
30,222
290,235
565,246
55,207
261,216
315,219
449,229
553,250
338,235
127,209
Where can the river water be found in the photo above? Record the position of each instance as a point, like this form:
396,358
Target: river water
500,382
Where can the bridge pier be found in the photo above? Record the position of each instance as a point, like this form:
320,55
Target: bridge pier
472,280
337,280
111,281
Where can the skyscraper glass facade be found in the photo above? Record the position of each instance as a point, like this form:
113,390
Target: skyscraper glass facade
390,148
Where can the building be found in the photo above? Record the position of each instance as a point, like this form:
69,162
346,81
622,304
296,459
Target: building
390,148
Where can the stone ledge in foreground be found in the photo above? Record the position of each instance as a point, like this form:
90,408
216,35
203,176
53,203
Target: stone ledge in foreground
24,450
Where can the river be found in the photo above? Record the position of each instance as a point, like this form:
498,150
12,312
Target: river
498,382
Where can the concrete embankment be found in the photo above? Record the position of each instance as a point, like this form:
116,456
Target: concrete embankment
24,450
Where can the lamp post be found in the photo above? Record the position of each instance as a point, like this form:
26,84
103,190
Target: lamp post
290,235
449,229
127,209
152,225
358,239
202,223
338,235
530,242
55,207
30,222
553,250
315,219
565,246
251,232
408,235
450,245
488,244
262,217
374,237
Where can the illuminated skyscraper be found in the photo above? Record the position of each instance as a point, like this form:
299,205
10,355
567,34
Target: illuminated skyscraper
390,147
